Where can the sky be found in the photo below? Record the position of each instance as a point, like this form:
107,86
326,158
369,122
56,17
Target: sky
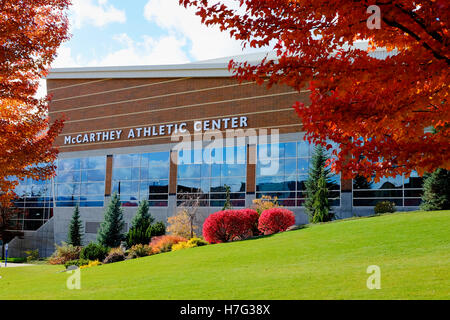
139,32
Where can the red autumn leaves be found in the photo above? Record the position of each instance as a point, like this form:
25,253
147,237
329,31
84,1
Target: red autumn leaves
229,225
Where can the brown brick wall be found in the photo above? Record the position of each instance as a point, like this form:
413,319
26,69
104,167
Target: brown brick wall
100,105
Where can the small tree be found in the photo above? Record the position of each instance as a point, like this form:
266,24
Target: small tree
143,218
184,222
322,210
436,191
141,226
110,233
318,172
75,229
227,204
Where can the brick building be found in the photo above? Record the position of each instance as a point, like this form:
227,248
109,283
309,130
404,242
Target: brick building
119,137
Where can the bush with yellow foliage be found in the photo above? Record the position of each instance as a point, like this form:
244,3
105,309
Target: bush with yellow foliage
264,203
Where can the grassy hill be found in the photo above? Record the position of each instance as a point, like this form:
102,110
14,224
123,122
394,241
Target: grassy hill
326,261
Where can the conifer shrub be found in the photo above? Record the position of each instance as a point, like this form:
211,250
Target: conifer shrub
436,191
94,251
275,220
158,229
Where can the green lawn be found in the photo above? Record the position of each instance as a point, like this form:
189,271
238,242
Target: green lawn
326,261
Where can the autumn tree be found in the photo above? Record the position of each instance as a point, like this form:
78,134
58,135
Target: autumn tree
378,109
30,33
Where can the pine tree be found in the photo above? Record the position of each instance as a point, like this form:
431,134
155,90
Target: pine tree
110,233
322,208
75,229
317,171
141,226
436,191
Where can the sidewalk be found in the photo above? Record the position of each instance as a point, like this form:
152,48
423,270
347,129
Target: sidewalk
13,265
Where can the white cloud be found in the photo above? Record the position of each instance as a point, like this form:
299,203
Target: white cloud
207,42
150,51
64,58
94,12
165,50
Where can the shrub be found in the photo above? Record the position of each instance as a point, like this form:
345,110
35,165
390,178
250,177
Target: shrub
16,260
275,220
384,207
191,243
198,242
138,235
91,264
78,263
138,251
94,251
114,255
182,245
32,255
181,224
264,203
229,225
165,243
158,229
65,252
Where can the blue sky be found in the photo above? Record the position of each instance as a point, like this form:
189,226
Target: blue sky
140,32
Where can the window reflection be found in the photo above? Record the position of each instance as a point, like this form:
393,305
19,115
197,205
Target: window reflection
142,176
400,190
205,173
80,181
287,180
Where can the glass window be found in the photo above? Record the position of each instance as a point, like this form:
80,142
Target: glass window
284,176
206,173
80,180
400,190
142,176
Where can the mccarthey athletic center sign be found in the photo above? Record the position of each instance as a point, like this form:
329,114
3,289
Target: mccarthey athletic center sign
158,130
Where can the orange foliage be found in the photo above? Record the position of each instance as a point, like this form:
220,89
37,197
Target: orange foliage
26,134
379,109
164,243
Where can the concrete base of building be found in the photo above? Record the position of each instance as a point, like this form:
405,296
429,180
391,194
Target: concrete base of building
56,229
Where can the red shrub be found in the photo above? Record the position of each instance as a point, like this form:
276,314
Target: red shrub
164,243
229,225
275,220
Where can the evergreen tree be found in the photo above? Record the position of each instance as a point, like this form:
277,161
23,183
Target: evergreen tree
75,229
110,233
143,218
141,226
322,208
436,191
227,204
317,171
